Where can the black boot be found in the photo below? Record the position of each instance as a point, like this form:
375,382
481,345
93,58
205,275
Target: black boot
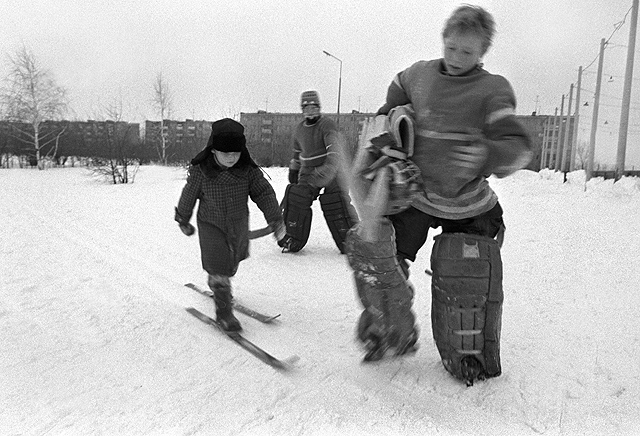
224,310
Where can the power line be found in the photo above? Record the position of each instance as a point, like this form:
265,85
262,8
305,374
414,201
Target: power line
617,27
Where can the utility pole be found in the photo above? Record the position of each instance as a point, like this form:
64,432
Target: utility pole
339,84
558,158
576,122
545,143
594,120
626,94
567,130
554,140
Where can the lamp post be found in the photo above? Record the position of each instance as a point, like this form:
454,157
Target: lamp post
339,82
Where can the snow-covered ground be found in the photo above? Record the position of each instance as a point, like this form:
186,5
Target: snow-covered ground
95,340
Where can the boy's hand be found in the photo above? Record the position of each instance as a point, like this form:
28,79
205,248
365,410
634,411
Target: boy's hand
187,229
280,234
279,230
284,241
470,158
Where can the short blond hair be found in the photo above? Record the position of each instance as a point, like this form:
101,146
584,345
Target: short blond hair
469,18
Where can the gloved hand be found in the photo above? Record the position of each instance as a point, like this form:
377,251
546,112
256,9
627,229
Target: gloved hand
470,158
187,229
293,176
285,242
279,229
280,234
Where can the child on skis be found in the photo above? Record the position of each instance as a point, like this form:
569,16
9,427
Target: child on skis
223,176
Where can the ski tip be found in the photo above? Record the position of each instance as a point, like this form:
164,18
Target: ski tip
271,318
195,312
292,359
289,363
201,316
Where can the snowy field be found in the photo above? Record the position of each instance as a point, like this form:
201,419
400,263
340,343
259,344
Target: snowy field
95,339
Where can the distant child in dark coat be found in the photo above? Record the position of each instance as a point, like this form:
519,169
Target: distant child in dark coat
223,177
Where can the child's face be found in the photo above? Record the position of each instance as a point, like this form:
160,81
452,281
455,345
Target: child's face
311,111
227,159
462,52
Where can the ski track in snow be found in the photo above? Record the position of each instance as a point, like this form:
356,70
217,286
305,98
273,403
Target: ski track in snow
96,340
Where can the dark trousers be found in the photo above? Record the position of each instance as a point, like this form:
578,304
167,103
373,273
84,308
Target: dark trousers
412,227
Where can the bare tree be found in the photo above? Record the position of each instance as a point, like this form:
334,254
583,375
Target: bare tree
163,103
32,97
230,112
582,155
117,158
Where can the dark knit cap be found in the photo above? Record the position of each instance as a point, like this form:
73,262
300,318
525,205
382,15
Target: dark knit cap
308,98
227,135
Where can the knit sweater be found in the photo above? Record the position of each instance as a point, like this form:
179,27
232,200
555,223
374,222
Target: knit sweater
459,110
313,143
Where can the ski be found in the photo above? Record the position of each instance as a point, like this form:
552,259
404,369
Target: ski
245,343
253,314
236,305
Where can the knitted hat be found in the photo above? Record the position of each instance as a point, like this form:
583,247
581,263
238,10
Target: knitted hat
227,135
309,97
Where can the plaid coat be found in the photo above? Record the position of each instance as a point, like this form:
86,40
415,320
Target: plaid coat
223,212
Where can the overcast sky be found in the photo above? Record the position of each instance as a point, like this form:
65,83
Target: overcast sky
225,57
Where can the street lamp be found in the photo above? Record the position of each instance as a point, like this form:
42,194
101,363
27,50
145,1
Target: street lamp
339,82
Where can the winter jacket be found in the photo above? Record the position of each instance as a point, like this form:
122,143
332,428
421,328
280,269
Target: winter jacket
223,212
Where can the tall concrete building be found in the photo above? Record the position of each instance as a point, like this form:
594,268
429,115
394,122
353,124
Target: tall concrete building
61,138
184,139
269,135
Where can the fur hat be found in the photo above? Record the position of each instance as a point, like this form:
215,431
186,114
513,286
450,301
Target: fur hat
309,97
227,135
